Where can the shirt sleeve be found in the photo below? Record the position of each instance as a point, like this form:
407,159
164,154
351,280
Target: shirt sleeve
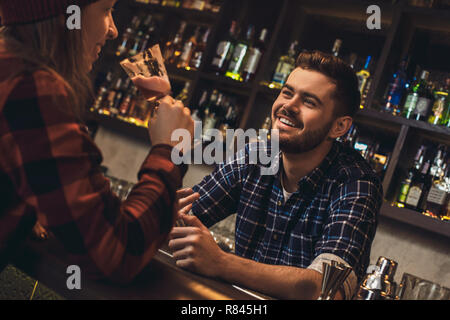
220,190
350,282
352,223
56,171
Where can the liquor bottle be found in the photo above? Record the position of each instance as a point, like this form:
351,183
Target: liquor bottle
127,103
102,93
445,212
413,172
352,60
137,42
438,109
224,50
229,119
197,57
437,196
210,119
184,93
425,100
285,65
413,96
336,47
364,80
265,129
239,55
188,50
396,89
419,188
114,94
199,113
198,5
171,3
173,47
254,57
122,49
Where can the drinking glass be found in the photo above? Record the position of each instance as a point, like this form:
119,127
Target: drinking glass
414,288
148,73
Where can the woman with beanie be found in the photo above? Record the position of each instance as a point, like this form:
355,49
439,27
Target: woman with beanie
50,167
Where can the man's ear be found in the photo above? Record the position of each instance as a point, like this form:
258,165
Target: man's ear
340,127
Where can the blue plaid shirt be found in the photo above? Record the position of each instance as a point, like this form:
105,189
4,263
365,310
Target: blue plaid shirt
333,211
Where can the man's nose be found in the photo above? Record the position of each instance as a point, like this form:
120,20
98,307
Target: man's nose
292,107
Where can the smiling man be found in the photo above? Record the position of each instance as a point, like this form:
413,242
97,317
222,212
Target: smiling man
321,205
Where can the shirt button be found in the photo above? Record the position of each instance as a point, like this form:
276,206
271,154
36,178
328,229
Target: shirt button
279,203
275,237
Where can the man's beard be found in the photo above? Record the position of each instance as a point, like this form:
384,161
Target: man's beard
307,142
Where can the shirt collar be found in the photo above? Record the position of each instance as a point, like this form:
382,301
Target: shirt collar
309,183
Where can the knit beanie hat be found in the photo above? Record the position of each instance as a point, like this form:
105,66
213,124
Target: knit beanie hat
28,11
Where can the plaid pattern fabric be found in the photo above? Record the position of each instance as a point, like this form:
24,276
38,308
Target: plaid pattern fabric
50,171
333,211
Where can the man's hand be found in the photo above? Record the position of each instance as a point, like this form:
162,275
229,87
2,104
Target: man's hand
194,248
169,116
185,197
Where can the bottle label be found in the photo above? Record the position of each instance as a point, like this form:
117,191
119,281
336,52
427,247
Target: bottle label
411,101
187,50
438,108
221,53
422,107
413,196
403,192
253,60
237,58
436,195
282,72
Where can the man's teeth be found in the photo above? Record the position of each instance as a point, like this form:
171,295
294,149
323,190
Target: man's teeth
287,122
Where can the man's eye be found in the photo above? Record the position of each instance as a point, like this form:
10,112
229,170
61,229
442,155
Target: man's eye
287,93
310,102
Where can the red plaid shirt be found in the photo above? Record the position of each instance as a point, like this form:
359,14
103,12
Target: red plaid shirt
50,172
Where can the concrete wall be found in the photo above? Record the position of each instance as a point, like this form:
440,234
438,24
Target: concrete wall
417,252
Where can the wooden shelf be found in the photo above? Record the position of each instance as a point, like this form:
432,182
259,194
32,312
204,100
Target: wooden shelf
116,124
189,14
241,88
416,219
380,119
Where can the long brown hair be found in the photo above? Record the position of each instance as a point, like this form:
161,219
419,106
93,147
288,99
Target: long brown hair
49,45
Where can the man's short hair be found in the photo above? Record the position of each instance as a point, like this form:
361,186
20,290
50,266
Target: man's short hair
346,97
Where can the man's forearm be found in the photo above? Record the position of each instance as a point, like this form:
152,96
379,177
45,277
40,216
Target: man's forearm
282,282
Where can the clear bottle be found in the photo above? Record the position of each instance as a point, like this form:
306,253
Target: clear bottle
425,100
224,50
285,65
396,90
239,55
210,118
437,195
123,47
188,50
364,80
413,172
197,57
254,57
336,47
173,47
413,96
438,109
184,93
419,188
